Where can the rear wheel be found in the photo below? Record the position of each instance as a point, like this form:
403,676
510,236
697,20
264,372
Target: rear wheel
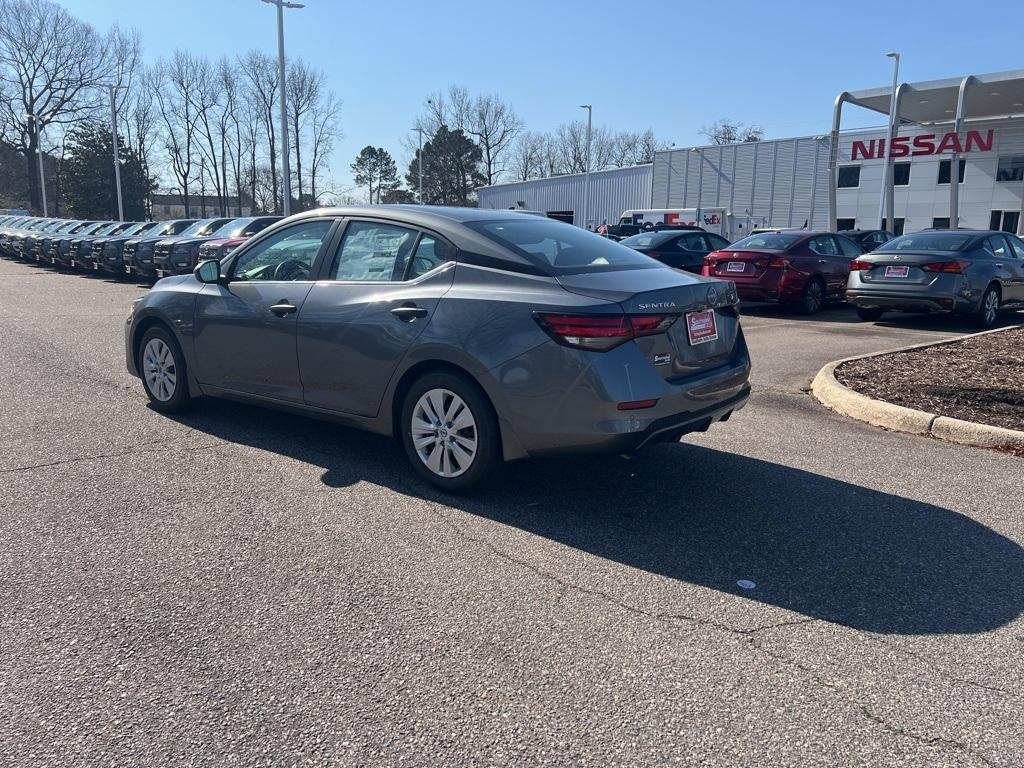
450,431
813,297
988,312
869,314
163,371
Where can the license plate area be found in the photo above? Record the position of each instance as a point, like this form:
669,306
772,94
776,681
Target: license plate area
892,271
736,266
701,327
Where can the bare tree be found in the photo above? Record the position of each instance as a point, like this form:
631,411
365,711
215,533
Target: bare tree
493,124
528,156
726,131
259,72
174,82
52,66
324,119
304,89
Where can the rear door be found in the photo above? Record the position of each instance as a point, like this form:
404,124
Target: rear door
380,289
245,330
827,257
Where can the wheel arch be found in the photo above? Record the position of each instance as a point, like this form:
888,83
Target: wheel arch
156,321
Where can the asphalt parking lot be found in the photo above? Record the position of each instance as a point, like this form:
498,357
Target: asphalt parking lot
241,587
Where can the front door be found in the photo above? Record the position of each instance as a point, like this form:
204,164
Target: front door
245,329
380,293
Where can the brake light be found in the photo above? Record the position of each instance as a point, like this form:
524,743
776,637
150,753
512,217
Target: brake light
779,262
654,255
601,332
860,266
955,266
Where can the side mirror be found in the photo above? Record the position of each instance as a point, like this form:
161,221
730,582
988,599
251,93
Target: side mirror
207,271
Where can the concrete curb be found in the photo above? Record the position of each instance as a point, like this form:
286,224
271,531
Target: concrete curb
829,392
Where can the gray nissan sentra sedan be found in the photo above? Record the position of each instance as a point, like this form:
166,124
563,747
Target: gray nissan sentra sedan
473,336
974,273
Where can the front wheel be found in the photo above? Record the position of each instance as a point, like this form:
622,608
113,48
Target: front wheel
163,371
450,432
988,312
869,314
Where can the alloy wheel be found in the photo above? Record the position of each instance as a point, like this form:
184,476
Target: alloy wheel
159,370
814,296
991,307
444,433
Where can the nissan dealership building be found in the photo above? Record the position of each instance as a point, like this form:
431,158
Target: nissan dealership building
834,180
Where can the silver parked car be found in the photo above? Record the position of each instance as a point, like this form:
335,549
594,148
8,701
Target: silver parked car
473,336
974,273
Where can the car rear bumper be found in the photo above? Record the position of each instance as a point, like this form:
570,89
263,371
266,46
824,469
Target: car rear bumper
911,302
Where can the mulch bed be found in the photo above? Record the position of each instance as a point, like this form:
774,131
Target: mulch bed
979,379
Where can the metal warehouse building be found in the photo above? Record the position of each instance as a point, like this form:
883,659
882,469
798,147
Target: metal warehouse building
975,123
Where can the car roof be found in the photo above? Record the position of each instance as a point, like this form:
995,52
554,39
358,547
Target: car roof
423,213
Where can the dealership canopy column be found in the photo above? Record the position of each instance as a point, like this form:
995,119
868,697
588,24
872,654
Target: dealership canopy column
957,102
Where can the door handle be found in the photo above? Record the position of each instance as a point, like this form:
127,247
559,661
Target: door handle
409,312
823,261
283,307
1000,266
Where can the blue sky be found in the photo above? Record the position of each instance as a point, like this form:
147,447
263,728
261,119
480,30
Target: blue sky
673,66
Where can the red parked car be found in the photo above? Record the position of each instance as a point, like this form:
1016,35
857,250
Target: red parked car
794,267
223,243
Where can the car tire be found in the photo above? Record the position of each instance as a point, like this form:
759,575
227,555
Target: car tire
869,314
988,311
434,443
813,297
163,371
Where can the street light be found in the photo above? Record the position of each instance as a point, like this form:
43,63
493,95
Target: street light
117,161
886,171
586,177
39,150
285,169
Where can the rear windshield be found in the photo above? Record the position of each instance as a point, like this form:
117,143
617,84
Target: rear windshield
769,241
561,249
927,241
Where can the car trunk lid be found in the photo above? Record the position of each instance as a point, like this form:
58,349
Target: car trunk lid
749,264
908,267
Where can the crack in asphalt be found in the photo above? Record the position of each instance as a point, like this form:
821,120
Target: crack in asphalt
128,451
751,636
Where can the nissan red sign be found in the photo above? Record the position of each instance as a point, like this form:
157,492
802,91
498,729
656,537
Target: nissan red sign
925,144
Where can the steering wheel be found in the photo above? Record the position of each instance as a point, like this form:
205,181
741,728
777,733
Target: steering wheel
291,269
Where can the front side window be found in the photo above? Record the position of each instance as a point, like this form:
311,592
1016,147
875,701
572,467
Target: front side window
1010,168
716,242
849,177
286,255
372,252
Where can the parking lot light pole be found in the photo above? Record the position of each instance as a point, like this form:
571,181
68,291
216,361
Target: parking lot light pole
887,161
419,130
586,177
117,159
286,174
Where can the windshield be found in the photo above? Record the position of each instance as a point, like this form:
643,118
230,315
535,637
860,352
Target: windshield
106,229
196,228
561,249
232,229
769,241
927,241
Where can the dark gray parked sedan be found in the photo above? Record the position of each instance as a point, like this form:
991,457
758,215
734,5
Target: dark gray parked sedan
970,272
473,336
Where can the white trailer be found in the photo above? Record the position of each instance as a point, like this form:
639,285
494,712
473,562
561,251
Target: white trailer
721,221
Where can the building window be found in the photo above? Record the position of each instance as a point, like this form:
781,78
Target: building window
944,166
843,224
897,229
900,174
1007,221
849,177
940,222
1010,168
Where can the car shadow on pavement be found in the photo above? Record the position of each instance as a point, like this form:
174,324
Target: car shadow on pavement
821,547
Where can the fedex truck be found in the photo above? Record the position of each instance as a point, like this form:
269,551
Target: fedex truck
721,221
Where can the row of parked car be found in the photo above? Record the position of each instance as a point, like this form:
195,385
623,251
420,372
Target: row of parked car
970,272
146,250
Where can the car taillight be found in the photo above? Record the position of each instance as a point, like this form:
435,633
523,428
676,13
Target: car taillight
600,333
955,266
654,255
860,266
779,262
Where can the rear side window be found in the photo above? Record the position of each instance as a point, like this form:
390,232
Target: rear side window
561,249
824,246
996,246
1017,246
372,252
847,247
430,253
